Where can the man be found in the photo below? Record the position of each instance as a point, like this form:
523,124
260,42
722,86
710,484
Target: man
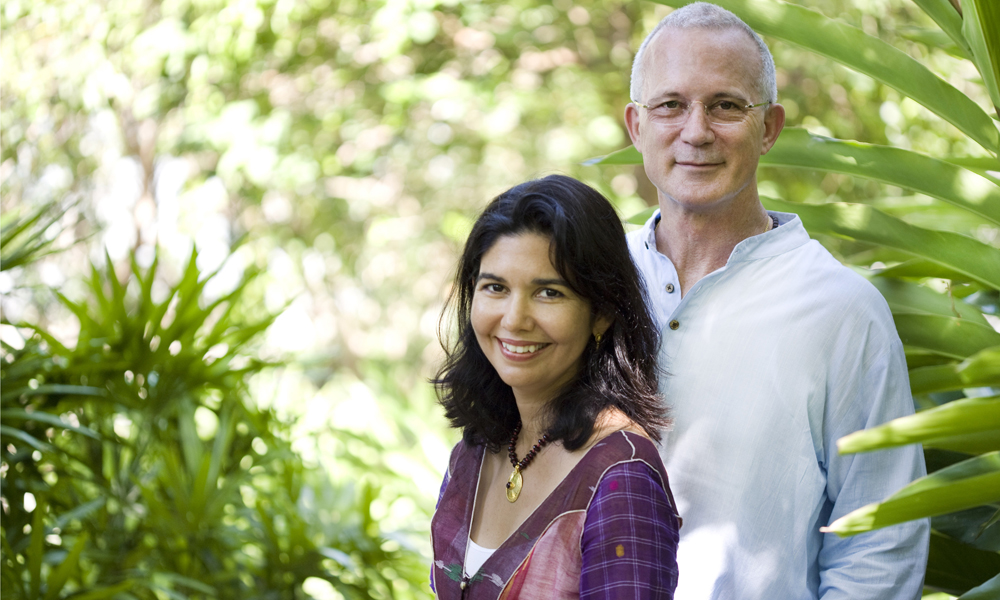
771,349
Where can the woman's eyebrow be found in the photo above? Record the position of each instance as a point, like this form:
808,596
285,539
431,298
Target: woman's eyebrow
482,276
561,282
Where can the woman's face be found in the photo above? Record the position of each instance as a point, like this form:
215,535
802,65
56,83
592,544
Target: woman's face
532,327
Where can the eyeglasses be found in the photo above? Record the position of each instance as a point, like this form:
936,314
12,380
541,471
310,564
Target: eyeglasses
721,112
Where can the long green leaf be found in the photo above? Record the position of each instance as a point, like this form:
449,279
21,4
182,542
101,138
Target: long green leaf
948,336
49,419
109,591
24,437
967,443
920,268
955,567
945,181
980,26
979,370
36,547
990,590
55,388
866,54
907,298
972,258
66,569
948,19
972,415
969,483
625,156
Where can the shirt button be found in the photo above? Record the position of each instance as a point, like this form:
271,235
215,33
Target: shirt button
670,288
675,324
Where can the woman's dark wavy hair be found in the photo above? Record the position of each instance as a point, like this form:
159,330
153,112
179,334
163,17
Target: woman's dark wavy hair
588,249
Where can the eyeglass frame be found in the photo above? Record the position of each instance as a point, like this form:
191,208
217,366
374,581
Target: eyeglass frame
687,115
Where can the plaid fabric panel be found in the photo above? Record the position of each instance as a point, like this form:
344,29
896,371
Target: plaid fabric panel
629,542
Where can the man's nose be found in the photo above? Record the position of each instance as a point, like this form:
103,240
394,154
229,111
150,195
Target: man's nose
697,129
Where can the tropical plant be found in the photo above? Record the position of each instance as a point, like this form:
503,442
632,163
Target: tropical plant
942,286
135,464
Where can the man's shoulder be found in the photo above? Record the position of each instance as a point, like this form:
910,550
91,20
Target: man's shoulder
812,264
835,293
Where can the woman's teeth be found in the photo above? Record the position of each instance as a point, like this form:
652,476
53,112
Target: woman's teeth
521,349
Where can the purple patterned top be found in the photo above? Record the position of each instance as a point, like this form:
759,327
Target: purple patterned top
609,530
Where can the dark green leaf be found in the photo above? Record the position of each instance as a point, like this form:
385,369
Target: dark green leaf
970,257
24,437
955,567
989,590
895,166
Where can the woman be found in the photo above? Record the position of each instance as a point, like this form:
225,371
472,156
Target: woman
555,344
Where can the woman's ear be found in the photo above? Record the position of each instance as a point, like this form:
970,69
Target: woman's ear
601,325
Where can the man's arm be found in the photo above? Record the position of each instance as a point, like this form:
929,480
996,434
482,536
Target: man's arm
865,392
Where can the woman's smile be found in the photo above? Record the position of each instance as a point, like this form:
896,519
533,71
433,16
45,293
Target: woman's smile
530,324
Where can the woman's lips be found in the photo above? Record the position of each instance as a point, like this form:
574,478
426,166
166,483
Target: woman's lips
520,350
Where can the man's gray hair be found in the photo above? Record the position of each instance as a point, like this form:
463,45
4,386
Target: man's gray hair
702,15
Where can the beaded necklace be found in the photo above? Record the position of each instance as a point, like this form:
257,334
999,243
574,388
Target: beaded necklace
515,482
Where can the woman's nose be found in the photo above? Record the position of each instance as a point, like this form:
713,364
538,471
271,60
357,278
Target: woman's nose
517,314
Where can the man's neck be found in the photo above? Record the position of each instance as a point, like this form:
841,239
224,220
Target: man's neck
698,243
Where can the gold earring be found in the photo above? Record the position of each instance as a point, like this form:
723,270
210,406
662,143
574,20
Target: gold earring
597,337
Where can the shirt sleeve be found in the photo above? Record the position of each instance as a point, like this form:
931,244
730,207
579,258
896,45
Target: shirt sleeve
889,562
629,540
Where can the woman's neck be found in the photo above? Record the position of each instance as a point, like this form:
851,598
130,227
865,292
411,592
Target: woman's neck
533,417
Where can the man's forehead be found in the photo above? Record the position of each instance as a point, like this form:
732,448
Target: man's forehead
726,60
695,38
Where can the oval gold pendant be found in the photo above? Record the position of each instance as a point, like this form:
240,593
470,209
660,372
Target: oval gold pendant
514,486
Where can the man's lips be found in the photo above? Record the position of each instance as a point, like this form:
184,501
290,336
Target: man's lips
697,164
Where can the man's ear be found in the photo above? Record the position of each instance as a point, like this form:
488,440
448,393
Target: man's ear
774,122
632,124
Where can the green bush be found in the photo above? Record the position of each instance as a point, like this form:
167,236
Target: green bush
135,464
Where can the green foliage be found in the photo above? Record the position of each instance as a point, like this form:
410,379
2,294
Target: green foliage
951,346
135,463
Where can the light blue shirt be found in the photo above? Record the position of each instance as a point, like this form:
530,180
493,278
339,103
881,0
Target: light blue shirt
768,361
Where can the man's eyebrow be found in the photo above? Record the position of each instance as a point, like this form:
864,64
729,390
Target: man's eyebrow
716,95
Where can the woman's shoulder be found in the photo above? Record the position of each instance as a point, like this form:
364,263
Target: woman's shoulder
619,435
625,445
464,451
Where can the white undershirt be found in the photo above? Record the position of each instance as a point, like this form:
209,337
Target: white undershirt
475,557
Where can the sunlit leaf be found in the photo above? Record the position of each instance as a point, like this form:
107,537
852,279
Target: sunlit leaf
948,19
970,483
909,298
948,336
971,415
979,370
980,24
625,156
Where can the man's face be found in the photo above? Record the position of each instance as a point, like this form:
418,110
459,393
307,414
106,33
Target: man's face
697,164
